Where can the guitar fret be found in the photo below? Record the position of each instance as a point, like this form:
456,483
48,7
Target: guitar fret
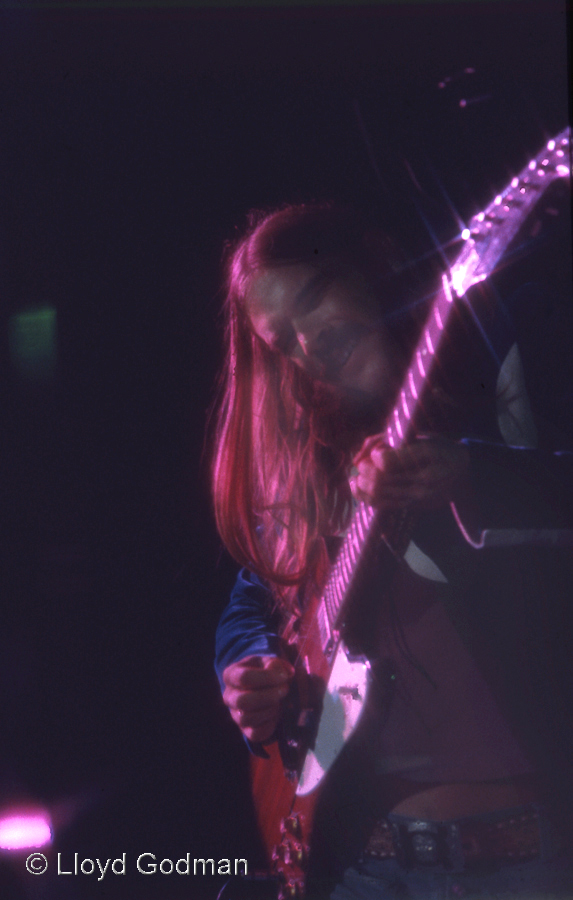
360,533
349,569
447,289
357,532
353,551
412,383
330,601
360,536
334,599
363,512
338,594
337,580
429,343
323,626
331,606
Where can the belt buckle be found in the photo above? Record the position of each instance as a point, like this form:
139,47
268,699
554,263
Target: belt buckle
419,843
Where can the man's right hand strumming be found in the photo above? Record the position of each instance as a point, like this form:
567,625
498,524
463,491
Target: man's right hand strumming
254,688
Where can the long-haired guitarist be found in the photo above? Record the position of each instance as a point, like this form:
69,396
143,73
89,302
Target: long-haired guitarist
469,762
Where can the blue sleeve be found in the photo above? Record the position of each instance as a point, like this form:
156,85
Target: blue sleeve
247,626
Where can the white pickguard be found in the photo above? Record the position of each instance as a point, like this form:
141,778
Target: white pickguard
343,703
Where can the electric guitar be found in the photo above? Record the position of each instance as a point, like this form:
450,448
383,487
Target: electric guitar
333,680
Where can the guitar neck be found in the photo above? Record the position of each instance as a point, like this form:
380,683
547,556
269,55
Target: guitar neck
486,239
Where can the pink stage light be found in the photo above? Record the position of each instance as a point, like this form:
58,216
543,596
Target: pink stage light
19,831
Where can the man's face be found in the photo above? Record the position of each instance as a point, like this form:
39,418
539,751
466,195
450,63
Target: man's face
330,327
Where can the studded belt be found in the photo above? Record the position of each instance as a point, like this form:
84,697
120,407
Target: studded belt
506,838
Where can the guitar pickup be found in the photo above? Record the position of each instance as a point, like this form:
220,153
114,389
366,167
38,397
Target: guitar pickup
351,692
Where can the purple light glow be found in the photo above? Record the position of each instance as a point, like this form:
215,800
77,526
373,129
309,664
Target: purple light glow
19,831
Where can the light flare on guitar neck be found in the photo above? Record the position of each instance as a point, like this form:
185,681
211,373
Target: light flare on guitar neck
490,231
486,239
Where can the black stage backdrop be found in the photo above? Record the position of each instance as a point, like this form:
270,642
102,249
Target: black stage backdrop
132,143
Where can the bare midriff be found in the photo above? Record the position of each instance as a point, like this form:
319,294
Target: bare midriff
442,802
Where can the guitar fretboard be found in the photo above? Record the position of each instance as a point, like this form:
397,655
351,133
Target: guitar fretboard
485,241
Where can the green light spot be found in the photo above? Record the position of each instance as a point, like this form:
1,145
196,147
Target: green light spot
32,338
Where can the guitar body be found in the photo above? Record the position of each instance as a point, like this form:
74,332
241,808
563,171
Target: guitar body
314,827
310,839
285,820
315,795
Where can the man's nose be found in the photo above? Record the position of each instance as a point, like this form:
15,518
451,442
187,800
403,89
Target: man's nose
305,355
303,343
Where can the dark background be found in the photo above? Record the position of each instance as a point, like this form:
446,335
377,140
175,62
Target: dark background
132,143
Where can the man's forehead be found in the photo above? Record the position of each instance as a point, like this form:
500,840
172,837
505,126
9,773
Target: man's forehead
289,290
277,290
